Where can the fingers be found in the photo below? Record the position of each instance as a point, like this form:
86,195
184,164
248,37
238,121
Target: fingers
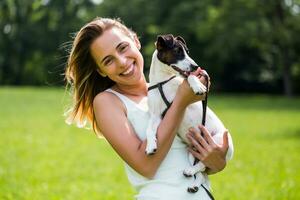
206,149
198,138
196,154
204,78
225,145
200,73
198,145
207,135
197,72
204,73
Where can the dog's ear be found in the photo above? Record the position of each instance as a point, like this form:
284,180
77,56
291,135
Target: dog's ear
165,41
160,43
180,39
169,40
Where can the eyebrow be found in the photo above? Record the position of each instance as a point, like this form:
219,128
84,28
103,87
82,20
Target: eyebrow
109,55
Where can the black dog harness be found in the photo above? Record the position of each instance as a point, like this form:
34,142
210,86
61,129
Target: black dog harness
168,105
162,94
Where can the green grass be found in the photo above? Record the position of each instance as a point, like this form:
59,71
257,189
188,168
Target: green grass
43,158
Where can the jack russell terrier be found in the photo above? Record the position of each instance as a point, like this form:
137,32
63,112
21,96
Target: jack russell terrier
169,67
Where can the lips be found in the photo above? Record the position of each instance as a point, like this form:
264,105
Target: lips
129,71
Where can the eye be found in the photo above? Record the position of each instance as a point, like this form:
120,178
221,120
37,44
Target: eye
124,47
107,61
177,51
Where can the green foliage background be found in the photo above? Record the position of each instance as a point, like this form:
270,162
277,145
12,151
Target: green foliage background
246,46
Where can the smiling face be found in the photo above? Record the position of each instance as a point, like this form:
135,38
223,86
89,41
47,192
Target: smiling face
118,57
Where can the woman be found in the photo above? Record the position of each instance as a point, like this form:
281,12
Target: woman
105,70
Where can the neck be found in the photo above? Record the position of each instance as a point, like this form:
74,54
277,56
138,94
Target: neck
157,72
140,89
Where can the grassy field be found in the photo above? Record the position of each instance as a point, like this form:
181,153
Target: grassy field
43,158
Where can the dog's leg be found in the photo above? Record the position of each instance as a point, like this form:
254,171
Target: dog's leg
151,134
192,170
196,85
199,179
191,158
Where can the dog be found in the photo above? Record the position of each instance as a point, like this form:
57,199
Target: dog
170,65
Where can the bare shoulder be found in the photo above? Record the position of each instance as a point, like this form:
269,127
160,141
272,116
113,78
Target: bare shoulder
108,109
107,100
103,97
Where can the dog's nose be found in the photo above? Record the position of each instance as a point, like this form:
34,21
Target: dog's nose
194,67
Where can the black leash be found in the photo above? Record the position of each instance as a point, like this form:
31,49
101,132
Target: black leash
208,192
204,102
204,108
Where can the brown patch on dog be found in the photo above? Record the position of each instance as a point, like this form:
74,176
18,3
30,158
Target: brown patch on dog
170,49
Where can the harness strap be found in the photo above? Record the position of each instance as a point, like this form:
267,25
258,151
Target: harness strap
168,104
160,83
162,94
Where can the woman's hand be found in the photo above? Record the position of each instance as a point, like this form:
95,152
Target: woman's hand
185,93
204,148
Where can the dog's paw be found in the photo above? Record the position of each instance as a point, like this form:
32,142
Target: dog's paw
189,172
192,170
151,146
193,189
197,87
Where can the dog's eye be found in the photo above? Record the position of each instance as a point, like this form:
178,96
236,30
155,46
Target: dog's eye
177,51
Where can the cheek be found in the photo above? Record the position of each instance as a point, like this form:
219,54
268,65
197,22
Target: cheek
109,70
140,58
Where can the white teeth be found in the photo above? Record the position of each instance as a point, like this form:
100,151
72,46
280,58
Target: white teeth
128,70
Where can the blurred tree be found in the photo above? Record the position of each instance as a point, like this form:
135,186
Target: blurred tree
248,46
32,32
282,40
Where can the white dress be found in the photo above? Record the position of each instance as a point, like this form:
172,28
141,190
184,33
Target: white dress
169,183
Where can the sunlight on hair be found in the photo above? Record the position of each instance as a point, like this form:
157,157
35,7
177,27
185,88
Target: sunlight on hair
74,120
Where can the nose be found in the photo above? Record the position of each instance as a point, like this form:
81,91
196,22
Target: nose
121,59
193,67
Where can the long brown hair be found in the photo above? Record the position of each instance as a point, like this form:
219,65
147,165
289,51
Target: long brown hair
81,71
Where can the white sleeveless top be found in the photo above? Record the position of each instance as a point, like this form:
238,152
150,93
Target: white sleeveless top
169,181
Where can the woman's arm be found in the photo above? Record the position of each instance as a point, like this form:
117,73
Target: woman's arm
112,121
213,155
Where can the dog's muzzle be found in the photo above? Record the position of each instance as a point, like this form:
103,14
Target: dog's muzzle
185,74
